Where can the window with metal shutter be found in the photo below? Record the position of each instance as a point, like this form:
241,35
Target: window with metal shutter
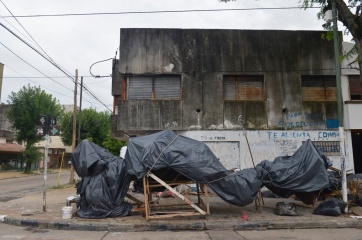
139,88
319,88
154,87
355,88
167,87
229,88
243,87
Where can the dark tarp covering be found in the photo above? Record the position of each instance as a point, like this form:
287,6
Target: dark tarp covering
305,171
104,183
106,178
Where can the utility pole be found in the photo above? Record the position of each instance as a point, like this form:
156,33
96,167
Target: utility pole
71,180
45,171
1,78
339,102
80,108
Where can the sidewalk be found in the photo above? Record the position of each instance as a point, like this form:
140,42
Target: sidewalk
27,211
5,174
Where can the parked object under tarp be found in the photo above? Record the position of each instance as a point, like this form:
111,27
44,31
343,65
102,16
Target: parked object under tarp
304,173
104,183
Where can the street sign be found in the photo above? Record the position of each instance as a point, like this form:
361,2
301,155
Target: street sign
47,125
42,120
40,131
52,120
54,131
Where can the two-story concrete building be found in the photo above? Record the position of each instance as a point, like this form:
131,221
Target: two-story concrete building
267,89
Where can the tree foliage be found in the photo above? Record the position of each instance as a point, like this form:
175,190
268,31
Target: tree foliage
351,20
113,145
95,126
23,114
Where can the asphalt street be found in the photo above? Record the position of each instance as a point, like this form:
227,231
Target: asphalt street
13,188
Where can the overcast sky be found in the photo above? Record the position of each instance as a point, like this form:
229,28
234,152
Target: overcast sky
77,42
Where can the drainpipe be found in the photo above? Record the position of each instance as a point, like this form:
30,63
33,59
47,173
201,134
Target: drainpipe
339,102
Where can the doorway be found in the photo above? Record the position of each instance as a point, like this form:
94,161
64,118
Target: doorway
357,151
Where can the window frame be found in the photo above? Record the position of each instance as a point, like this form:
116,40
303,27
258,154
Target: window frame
324,91
356,88
154,78
241,92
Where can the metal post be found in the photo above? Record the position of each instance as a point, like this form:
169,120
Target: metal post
339,102
45,171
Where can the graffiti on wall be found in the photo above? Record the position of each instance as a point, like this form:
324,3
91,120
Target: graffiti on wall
226,152
300,119
321,135
286,147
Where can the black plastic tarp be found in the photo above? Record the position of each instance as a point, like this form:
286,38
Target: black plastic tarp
104,183
305,171
106,178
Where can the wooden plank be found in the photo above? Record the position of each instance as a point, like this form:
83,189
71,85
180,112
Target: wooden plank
137,201
357,210
145,193
177,193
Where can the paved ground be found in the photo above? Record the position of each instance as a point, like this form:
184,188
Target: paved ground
28,211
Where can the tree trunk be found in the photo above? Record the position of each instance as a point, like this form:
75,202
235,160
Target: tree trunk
359,50
27,167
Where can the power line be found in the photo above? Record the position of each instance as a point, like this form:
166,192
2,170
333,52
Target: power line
157,11
27,31
33,66
36,83
93,96
98,76
55,65
51,77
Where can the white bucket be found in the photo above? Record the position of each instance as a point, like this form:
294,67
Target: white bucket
67,212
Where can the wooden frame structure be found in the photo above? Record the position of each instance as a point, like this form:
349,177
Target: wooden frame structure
200,208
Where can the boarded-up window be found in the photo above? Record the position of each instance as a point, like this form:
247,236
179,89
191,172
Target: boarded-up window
355,88
319,88
154,87
246,87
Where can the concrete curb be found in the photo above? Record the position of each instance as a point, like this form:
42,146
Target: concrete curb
181,226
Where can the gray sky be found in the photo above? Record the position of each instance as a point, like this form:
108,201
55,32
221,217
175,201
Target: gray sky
76,42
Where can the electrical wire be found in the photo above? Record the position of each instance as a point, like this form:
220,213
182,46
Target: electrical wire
27,32
33,66
36,82
158,11
37,51
98,76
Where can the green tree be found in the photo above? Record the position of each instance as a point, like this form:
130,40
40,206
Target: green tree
352,21
113,145
95,126
23,114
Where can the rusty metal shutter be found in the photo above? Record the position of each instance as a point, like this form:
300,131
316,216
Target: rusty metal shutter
167,87
246,87
318,88
139,87
229,88
355,88
251,88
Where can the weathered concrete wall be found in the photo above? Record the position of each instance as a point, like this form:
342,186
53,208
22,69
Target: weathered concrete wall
202,57
6,130
232,149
